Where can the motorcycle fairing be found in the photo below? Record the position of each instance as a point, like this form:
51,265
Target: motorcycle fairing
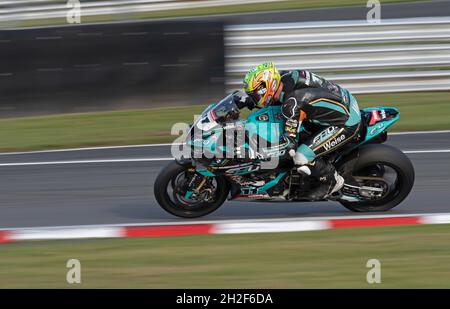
258,126
380,118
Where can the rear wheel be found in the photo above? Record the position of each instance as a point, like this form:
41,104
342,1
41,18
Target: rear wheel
171,187
382,175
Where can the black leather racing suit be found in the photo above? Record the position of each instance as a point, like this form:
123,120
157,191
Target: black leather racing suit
328,108
309,98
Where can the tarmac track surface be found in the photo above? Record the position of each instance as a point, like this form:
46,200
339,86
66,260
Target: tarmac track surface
112,185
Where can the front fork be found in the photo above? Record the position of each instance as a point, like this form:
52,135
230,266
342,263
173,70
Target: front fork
195,185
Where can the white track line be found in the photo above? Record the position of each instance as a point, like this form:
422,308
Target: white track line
427,151
158,159
419,132
88,148
170,144
85,161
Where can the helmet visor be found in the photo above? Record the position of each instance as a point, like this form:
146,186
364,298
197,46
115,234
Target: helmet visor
258,94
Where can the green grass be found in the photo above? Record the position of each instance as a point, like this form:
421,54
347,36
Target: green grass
230,9
410,256
93,129
269,6
419,111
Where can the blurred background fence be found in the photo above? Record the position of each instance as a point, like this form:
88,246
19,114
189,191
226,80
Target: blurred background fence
21,10
391,56
114,65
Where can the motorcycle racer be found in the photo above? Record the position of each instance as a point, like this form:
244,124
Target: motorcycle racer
310,99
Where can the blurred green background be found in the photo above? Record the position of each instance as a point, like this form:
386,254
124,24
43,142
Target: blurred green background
419,111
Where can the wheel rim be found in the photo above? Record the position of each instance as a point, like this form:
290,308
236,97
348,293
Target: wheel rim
381,175
177,187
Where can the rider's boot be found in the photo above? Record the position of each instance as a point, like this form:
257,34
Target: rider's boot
329,183
329,179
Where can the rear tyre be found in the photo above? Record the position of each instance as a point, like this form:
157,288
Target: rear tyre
373,159
175,203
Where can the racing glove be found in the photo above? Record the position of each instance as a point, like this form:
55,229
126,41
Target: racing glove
242,102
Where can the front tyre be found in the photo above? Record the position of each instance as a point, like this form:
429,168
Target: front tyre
371,168
170,189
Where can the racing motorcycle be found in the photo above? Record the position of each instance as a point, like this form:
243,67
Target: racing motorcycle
377,176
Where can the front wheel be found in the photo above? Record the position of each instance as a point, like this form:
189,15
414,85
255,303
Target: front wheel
386,172
171,192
